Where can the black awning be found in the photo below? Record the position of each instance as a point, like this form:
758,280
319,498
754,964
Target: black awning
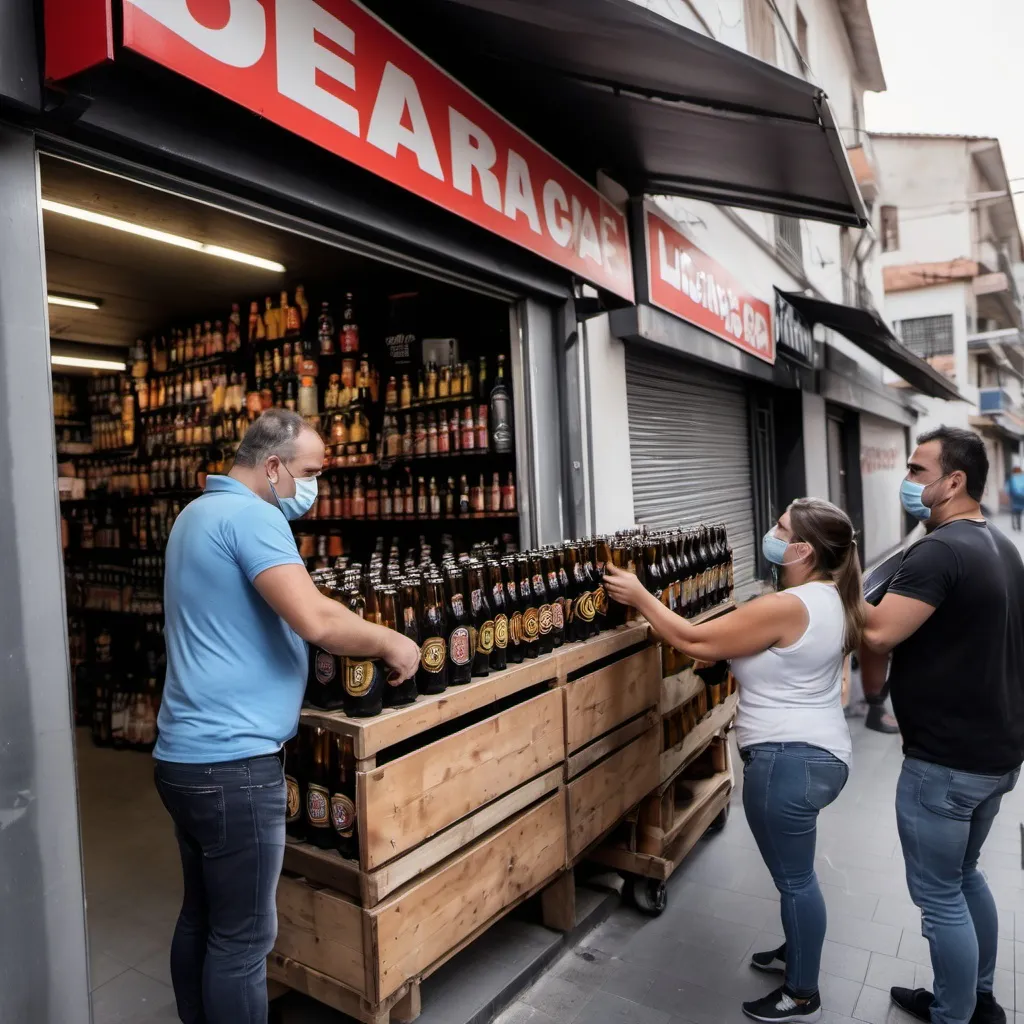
609,85
869,331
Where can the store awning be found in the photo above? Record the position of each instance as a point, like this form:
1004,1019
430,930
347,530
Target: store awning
868,331
609,85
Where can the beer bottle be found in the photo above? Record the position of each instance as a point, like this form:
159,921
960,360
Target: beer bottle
483,618
387,599
652,572
318,797
597,564
432,676
573,589
706,563
295,784
723,568
586,626
686,575
545,617
460,639
343,797
729,565
611,552
531,612
499,656
514,610
326,677
500,417
365,679
557,598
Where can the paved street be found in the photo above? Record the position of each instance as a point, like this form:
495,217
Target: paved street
690,964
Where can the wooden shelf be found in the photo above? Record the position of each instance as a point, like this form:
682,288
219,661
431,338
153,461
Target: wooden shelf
694,742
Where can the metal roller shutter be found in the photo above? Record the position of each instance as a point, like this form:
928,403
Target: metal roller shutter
689,443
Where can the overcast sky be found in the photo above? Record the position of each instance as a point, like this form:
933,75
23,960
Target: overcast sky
953,66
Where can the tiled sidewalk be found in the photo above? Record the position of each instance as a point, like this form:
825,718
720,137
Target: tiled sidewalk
690,964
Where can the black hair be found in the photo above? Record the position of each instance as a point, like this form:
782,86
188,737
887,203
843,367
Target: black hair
961,450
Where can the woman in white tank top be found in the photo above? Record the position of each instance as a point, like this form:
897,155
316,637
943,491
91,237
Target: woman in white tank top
787,652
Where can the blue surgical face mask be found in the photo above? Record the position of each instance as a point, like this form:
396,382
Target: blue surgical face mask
774,548
306,491
911,495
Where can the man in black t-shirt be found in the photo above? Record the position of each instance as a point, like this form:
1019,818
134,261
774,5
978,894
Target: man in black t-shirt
953,618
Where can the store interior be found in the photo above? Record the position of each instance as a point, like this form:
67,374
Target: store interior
157,369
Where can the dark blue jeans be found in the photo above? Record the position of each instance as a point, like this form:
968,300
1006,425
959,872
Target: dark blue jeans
944,817
784,787
229,820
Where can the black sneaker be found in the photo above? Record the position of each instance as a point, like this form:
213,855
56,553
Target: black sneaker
916,1001
987,1010
781,1006
772,961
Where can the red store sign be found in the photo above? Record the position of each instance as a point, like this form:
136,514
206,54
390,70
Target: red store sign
682,279
334,73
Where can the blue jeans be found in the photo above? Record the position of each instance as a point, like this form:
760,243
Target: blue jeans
784,787
229,821
944,817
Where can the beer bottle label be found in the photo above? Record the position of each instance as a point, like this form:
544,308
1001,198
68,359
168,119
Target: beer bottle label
458,606
294,802
546,619
570,611
477,600
511,588
501,632
485,637
473,641
515,627
538,583
358,677
317,806
552,580
558,613
343,815
585,606
499,595
460,646
600,601
432,654
325,666
531,624
563,578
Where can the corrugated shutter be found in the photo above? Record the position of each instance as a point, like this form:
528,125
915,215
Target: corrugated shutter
689,443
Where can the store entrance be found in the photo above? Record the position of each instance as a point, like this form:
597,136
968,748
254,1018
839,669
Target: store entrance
172,325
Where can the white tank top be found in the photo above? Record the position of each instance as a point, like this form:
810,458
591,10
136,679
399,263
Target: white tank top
794,694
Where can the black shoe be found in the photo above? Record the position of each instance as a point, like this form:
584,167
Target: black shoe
878,719
781,1006
916,1001
987,1010
772,961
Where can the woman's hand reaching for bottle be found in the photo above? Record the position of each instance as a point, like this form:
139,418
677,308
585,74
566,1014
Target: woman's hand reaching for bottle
623,586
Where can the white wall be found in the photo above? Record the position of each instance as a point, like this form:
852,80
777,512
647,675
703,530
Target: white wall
815,445
883,465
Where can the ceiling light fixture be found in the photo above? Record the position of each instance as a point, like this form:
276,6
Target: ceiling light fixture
161,236
85,363
70,300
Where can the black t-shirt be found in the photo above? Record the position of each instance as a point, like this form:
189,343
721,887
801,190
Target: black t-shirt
957,684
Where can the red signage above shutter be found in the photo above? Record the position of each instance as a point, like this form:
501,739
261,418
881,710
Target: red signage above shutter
684,280
335,74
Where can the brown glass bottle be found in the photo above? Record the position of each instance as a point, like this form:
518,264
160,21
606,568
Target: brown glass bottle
295,783
460,638
596,567
343,797
514,610
483,618
432,676
545,615
557,598
387,602
584,612
531,610
615,553
365,679
496,590
325,681
318,793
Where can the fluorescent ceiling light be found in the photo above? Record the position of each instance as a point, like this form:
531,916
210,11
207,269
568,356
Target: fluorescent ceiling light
161,236
85,363
67,300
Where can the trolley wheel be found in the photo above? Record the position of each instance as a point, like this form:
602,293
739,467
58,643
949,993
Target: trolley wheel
649,895
719,823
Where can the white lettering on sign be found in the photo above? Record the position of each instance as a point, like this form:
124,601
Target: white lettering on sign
302,58
337,61
878,460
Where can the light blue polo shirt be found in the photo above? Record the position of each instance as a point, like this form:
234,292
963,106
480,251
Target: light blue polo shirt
236,671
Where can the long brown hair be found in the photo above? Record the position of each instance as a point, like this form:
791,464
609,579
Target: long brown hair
828,530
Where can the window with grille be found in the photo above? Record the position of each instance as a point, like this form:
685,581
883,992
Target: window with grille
789,239
801,36
927,336
890,228
760,23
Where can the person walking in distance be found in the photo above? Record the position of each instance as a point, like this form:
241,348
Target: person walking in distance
953,620
787,651
240,608
1015,492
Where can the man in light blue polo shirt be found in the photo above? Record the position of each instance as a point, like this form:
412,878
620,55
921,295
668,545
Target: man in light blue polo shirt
240,608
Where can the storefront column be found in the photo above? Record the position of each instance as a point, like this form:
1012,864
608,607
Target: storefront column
815,447
44,974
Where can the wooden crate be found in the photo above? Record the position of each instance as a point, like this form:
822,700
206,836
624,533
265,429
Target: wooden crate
713,723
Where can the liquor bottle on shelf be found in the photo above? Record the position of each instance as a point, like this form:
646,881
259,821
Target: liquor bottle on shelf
344,820
499,605
460,639
545,618
530,603
349,341
483,618
556,596
500,414
516,648
432,676
318,794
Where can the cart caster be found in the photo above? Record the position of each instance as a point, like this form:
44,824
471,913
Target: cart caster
649,895
719,823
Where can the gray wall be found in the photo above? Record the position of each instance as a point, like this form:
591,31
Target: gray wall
43,967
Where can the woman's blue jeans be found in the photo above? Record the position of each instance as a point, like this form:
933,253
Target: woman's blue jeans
784,787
